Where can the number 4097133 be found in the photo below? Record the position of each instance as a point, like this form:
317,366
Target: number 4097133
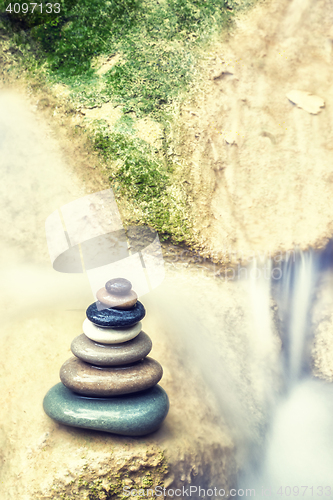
25,8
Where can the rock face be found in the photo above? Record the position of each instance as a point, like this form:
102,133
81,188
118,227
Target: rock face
322,321
136,415
90,380
111,355
113,318
255,181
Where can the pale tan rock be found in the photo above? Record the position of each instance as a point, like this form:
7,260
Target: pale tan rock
322,344
110,335
283,156
116,301
322,351
309,102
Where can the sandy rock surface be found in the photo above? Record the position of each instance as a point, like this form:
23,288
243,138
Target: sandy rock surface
259,176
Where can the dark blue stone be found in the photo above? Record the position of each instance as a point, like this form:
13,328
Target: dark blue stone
130,415
114,318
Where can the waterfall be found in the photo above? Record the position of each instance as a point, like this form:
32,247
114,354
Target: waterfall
296,458
294,296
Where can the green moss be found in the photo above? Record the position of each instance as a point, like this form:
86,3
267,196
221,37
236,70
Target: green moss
155,41
147,480
96,491
139,172
158,45
150,78
111,487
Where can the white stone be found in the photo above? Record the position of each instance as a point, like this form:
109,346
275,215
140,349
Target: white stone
110,335
309,102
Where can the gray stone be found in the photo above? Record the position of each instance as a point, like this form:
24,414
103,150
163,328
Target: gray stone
119,286
114,354
132,415
90,380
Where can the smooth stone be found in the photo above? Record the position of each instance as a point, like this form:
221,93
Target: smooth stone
90,380
110,335
132,415
115,355
114,318
117,301
118,286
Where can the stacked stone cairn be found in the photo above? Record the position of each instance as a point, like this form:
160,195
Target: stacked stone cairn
110,384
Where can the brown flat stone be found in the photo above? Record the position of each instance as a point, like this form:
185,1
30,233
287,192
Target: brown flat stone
117,301
111,355
118,286
89,380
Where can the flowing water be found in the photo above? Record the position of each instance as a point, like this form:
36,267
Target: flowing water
296,457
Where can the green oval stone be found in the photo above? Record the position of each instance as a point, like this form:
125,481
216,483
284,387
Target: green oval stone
129,415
